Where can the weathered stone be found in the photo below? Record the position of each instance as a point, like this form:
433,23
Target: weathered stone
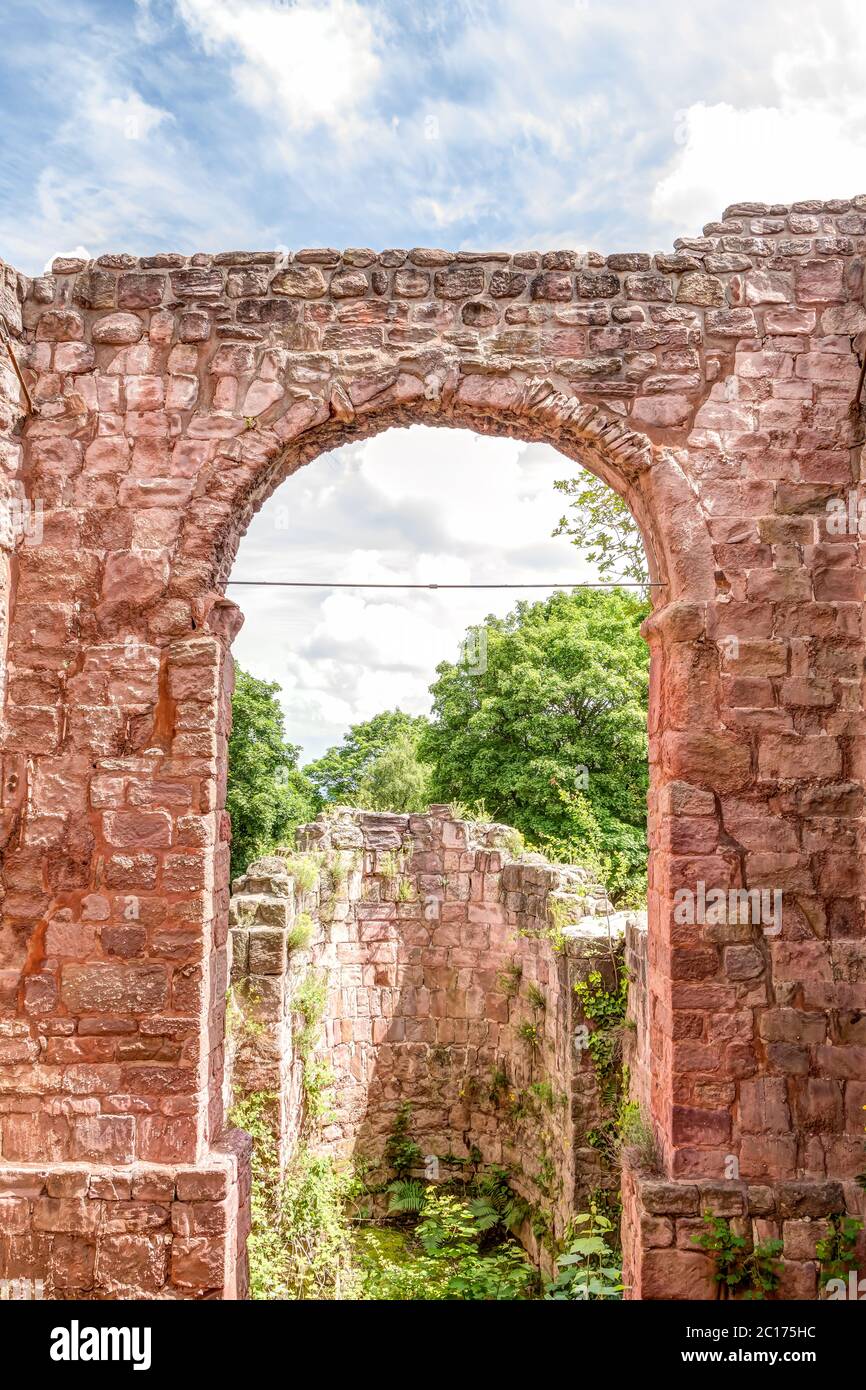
713,388
696,288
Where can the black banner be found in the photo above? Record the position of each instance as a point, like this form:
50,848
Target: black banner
181,1340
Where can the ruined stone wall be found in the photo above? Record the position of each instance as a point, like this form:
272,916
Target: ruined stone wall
12,496
445,988
712,387
90,1230
638,1052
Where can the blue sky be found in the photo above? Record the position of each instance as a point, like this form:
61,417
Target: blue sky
208,125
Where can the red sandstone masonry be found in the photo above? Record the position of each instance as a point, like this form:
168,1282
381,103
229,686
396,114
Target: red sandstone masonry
711,387
435,945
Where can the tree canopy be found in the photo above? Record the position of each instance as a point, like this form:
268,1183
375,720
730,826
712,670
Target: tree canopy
551,735
602,526
376,765
267,793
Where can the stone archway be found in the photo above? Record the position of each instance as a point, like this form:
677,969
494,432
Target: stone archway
712,388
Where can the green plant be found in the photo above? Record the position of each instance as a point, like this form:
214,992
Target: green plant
564,690
512,841
636,1134
605,1008
535,997
587,1270
529,1033
603,527
317,1080
241,1002
267,795
837,1252
449,1235
406,1195
740,1269
299,1244
304,869
375,766
300,933
401,1152
545,1174
442,1259
341,864
495,1203
544,1092
309,1005
509,979
521,1105
388,865
561,913
405,891
497,1084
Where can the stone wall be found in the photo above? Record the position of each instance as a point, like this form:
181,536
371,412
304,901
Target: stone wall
661,1220
712,387
639,1057
437,946
12,503
97,1231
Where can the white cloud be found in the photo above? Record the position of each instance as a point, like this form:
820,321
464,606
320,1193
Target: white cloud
367,512
305,64
807,141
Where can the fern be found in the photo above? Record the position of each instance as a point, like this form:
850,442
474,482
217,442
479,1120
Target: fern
406,1195
497,1204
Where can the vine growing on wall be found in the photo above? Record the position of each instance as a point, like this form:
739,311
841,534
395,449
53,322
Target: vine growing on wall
740,1269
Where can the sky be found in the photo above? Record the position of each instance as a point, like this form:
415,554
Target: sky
208,125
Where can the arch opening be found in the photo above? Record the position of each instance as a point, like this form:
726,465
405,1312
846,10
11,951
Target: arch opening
428,935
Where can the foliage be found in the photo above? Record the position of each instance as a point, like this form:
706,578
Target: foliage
603,528
397,780
299,1244
605,1008
267,796
495,1203
388,865
401,1153
552,734
509,979
449,1264
376,766
529,1033
740,1269
535,996
304,869
406,1195
615,853
458,810
588,1269
837,1252
300,933
636,1134
309,1005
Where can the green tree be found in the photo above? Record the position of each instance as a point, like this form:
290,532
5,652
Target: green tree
376,765
397,780
551,734
602,526
267,794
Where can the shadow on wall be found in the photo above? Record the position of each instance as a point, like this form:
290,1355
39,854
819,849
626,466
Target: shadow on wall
444,961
